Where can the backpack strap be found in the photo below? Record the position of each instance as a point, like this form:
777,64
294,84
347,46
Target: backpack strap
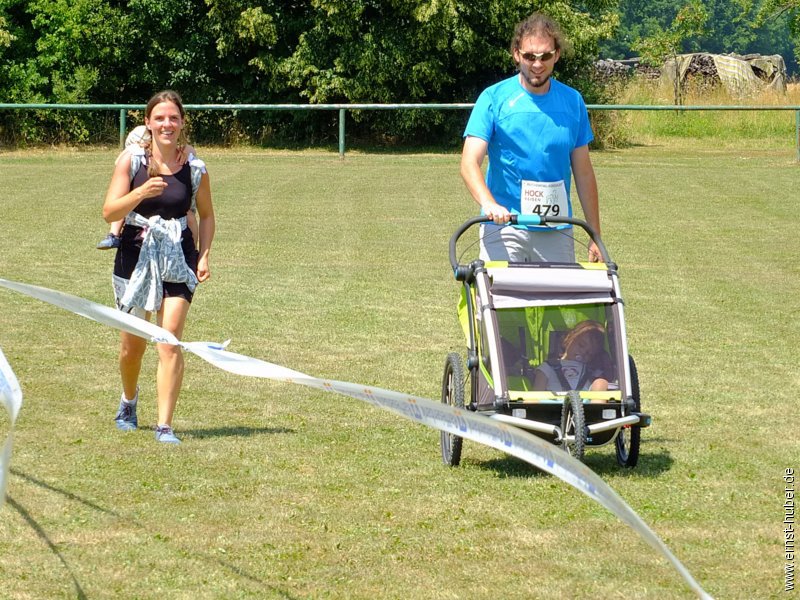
198,168
555,365
137,158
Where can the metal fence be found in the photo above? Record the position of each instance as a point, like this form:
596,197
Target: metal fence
343,108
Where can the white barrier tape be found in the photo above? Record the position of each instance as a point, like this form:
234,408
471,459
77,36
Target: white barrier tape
11,397
463,423
96,312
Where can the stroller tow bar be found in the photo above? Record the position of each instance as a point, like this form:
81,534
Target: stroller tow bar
639,419
528,424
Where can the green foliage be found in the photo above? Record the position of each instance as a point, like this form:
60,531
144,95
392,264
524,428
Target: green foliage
5,35
740,26
60,51
330,51
168,46
423,51
770,10
688,23
269,51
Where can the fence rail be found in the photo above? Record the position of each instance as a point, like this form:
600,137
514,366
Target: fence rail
343,108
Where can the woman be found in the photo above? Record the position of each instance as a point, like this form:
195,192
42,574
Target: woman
158,265
139,137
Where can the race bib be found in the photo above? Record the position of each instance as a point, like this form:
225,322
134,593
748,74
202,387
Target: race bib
544,198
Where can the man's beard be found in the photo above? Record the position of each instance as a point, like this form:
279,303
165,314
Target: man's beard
542,83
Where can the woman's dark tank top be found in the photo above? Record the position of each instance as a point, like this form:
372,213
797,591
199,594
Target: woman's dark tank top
176,199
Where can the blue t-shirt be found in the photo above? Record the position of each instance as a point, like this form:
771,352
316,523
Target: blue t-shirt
530,136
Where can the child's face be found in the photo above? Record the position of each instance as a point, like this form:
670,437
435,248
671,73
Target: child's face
584,347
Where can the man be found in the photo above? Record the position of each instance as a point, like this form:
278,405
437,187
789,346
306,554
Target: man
536,133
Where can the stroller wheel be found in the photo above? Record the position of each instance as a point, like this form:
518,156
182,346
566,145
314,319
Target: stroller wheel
573,425
628,438
452,395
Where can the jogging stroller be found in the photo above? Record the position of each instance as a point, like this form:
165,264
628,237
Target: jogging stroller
546,351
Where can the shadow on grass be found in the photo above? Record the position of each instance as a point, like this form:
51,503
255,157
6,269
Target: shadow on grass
66,494
79,593
650,465
278,592
236,431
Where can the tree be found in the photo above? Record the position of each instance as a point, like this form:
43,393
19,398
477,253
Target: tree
268,51
732,26
771,10
425,51
58,51
5,35
667,43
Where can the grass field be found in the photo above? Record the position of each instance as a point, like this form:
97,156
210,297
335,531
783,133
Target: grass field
339,269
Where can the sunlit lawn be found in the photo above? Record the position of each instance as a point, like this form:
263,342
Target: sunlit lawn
339,269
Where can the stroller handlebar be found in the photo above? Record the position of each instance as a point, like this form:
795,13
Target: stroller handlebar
517,219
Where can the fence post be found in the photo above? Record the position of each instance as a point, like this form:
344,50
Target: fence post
341,132
797,132
123,116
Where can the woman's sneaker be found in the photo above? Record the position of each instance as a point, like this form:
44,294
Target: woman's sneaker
165,434
126,414
108,242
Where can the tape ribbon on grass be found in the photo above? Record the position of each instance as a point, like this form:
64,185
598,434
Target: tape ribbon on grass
468,425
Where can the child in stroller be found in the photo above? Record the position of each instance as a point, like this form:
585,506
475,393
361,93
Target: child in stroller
583,363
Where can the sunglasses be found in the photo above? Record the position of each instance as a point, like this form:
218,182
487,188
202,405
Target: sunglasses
533,56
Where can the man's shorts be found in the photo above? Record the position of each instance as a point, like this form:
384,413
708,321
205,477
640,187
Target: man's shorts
522,245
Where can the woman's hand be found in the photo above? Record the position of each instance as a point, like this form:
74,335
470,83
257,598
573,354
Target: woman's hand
203,271
153,187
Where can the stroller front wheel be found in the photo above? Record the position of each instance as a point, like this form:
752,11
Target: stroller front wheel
573,426
452,395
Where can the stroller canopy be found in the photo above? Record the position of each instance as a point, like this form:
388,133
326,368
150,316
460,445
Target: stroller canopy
517,286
